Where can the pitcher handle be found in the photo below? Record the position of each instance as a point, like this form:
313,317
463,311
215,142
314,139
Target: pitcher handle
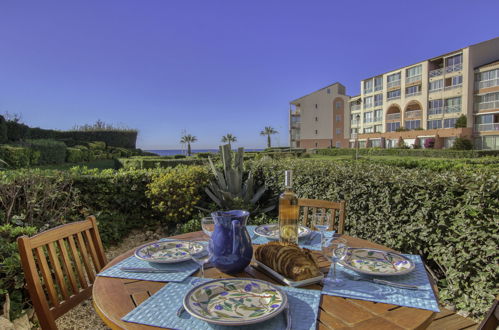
236,234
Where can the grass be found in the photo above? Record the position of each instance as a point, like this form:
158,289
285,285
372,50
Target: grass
101,164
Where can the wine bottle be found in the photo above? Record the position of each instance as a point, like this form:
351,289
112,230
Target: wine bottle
288,211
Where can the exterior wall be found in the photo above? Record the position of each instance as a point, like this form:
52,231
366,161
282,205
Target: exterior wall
315,143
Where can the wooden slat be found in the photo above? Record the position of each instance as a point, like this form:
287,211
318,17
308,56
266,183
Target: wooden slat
451,322
68,267
76,258
57,233
54,260
305,217
93,254
333,219
98,242
84,257
47,276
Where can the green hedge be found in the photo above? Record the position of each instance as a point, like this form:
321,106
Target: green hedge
113,138
449,217
51,151
156,162
17,131
3,130
75,155
16,156
437,153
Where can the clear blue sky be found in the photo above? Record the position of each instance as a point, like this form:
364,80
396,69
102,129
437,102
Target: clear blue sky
211,67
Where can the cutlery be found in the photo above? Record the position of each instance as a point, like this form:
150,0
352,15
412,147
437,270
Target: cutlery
180,310
146,270
385,282
288,318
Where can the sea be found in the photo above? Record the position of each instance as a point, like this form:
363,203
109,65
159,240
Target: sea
171,152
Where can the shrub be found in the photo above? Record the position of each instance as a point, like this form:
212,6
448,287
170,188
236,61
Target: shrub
462,144
156,162
204,155
96,145
16,131
17,157
3,130
448,217
75,155
114,138
51,151
461,121
177,191
429,143
179,156
40,133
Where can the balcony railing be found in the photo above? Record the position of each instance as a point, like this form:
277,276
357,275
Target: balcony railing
452,108
453,87
488,105
376,119
487,83
378,103
454,68
436,73
392,84
413,114
368,90
412,79
435,90
368,120
368,105
486,127
393,116
295,125
435,111
389,98
413,93
355,123
355,107
378,88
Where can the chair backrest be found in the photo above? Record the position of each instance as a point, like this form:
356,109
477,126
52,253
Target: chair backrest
310,207
64,279
491,320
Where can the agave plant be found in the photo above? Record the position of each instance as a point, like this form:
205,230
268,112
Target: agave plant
229,190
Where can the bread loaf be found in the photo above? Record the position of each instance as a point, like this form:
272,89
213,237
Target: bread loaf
289,260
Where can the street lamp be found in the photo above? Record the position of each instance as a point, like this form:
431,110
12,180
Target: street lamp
357,138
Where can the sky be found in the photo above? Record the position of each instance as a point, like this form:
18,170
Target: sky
211,67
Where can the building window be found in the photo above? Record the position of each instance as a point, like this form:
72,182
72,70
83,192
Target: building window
392,127
454,63
316,119
393,80
316,105
368,117
412,124
353,131
413,90
378,100
436,85
378,83
450,123
378,115
368,130
338,118
452,105
434,124
338,131
376,143
413,74
487,101
368,102
338,105
393,94
329,90
316,132
316,144
338,144
378,128
487,79
435,107
368,86
453,82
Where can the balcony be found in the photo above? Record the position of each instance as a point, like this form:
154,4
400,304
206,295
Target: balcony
454,68
413,114
355,107
486,127
368,120
368,90
436,73
378,88
488,105
355,123
487,83
389,98
368,105
435,111
453,87
435,90
393,116
393,84
413,93
452,108
295,124
413,79
377,119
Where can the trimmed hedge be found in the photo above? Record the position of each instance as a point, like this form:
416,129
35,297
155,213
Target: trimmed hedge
437,153
17,131
113,138
156,162
3,130
449,217
16,157
51,151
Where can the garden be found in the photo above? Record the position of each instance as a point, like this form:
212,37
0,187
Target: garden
446,213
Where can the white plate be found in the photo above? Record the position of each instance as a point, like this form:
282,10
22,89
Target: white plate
165,252
271,231
376,262
287,281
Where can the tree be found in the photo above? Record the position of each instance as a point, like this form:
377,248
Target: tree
188,139
229,138
461,122
268,131
462,144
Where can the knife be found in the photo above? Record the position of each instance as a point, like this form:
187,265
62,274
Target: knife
385,282
146,270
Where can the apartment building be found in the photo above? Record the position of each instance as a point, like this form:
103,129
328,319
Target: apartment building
320,119
424,100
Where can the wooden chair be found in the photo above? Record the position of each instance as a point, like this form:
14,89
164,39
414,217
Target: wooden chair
78,248
310,207
491,321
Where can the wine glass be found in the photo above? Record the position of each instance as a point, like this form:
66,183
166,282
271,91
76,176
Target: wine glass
335,249
321,222
208,225
200,252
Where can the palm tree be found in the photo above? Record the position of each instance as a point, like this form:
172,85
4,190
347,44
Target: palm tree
188,139
229,138
268,130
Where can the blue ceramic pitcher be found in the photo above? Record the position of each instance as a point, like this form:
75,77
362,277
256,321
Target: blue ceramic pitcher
230,242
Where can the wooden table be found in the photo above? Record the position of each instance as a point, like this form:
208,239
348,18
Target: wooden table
114,298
